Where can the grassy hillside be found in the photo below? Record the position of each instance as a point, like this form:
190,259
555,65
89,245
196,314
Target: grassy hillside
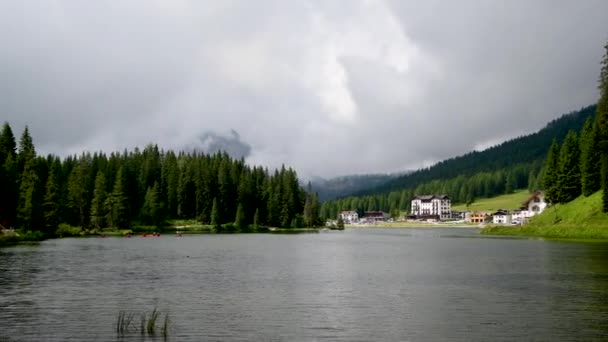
579,219
510,201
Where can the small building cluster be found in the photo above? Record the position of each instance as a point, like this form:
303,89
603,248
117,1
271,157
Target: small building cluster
369,217
438,208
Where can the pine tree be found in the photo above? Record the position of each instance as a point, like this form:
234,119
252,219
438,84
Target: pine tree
308,214
78,196
590,158
8,145
29,211
8,176
550,177
256,218
27,151
240,221
98,204
51,203
152,210
215,216
510,184
532,182
602,122
117,204
569,175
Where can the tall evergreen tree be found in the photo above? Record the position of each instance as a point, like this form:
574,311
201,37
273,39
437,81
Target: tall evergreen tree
8,145
78,196
117,204
8,176
590,158
99,210
569,175
510,184
27,151
52,212
239,220
532,186
602,122
256,218
550,178
29,211
152,210
215,216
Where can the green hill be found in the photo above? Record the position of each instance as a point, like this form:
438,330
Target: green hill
579,219
510,201
526,149
514,164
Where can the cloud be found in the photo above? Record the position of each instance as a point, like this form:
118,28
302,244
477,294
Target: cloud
330,88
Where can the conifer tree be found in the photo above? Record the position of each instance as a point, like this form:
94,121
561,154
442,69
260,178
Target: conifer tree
27,151
215,216
602,122
240,221
8,145
29,211
78,196
98,204
256,218
10,192
118,204
152,209
510,184
51,203
8,176
550,177
569,176
532,182
590,158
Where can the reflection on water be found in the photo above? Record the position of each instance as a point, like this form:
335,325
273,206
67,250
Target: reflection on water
353,285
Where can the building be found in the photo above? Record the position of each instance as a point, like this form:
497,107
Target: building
534,205
349,216
460,215
432,207
375,216
480,217
501,217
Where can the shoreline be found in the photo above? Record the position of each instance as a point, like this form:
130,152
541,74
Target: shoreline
551,232
409,225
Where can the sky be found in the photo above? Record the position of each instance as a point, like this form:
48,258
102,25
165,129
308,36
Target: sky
328,87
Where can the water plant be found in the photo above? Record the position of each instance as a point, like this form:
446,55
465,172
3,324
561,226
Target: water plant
125,323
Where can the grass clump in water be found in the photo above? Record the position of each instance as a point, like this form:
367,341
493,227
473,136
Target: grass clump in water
125,323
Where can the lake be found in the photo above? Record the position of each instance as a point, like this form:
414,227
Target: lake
353,285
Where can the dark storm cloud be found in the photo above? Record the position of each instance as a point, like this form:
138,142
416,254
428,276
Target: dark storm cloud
331,88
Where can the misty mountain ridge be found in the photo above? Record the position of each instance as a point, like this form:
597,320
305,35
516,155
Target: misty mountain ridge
336,187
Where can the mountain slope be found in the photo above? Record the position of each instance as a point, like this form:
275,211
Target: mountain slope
329,189
522,150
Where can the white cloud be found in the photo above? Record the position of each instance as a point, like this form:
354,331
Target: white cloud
330,88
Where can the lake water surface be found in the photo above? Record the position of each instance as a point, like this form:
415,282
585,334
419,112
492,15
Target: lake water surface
353,285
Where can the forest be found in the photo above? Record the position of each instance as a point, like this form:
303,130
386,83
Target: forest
514,164
567,158
144,187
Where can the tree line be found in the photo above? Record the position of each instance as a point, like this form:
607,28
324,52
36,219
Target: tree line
557,159
579,166
461,189
146,187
